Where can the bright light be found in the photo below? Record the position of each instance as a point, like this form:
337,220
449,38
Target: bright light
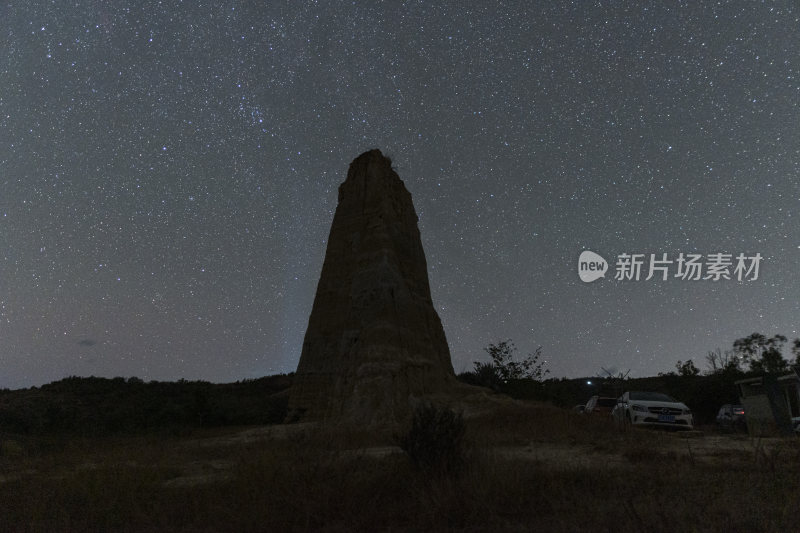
588,382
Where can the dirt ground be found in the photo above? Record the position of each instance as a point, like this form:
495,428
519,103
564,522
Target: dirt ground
201,460
696,447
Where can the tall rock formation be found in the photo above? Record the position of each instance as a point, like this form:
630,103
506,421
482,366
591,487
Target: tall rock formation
374,341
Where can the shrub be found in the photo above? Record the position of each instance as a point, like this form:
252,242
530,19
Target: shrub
503,368
435,441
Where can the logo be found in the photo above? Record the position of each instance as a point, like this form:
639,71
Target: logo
591,266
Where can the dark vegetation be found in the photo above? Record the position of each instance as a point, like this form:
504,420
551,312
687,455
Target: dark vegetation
504,366
99,406
435,441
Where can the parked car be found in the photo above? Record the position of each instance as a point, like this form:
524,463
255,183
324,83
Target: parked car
642,408
731,417
600,405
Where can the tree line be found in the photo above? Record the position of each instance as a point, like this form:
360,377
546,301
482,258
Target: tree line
756,354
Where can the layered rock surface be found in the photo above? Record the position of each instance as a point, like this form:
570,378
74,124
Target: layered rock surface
374,341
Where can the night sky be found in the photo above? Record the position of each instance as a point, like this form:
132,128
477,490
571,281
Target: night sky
169,174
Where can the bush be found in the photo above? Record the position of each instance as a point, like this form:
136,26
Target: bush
435,441
503,368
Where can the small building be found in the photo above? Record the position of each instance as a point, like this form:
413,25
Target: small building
770,403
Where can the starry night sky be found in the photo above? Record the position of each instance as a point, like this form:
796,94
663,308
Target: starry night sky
169,173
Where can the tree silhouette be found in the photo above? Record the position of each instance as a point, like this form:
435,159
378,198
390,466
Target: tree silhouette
687,369
723,362
503,367
762,354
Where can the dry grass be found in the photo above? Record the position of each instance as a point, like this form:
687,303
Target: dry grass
332,480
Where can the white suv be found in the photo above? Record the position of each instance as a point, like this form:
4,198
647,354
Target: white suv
652,409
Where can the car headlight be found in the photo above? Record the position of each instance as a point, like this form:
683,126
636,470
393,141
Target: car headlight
639,408
686,412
